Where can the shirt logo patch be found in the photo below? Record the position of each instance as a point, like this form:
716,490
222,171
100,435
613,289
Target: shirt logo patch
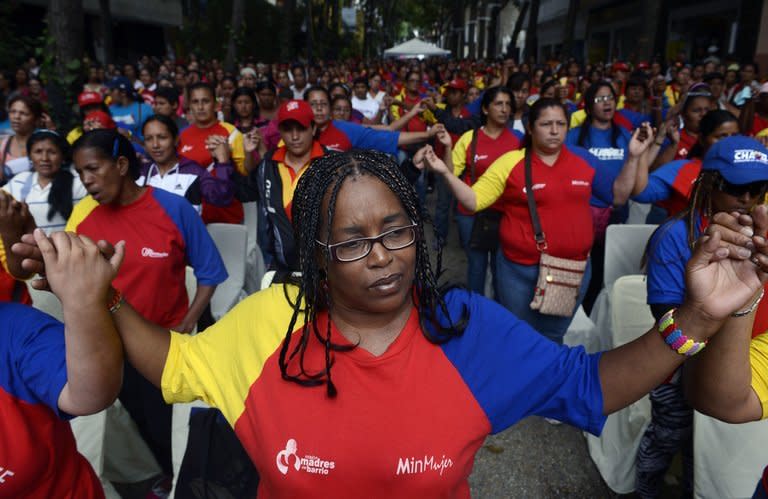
429,464
334,147
478,157
607,153
150,253
186,148
5,473
582,183
289,458
749,156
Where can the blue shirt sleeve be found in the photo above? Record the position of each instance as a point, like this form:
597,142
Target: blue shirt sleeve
659,182
668,253
602,183
201,251
367,138
34,357
514,372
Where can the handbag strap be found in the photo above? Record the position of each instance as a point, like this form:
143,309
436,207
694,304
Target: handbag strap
472,156
538,234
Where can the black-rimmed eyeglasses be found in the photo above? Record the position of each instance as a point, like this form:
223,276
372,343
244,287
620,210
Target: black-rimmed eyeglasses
356,249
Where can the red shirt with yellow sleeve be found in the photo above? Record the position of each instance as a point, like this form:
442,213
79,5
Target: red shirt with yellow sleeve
406,423
562,192
487,150
163,234
192,146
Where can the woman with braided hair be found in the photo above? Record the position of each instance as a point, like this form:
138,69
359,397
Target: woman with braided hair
406,378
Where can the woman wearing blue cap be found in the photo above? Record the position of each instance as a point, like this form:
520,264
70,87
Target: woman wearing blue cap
734,178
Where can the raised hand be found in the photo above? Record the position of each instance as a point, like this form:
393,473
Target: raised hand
722,275
218,146
252,140
75,268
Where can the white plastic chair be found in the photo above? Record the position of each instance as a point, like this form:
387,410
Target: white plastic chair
728,459
615,450
231,241
638,212
624,249
254,261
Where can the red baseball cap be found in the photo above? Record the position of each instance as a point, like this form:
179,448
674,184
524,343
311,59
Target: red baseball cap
620,66
89,98
296,110
458,84
103,119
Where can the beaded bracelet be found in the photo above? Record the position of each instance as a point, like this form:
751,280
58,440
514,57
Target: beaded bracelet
675,338
116,302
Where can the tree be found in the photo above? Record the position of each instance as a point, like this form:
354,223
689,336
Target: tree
570,23
62,64
106,29
531,36
236,31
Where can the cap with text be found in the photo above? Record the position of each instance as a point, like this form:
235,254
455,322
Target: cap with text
739,159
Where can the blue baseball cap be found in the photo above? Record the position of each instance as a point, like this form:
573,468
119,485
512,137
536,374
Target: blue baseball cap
120,82
739,159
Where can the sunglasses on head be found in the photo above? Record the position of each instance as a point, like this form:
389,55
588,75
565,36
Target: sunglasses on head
754,189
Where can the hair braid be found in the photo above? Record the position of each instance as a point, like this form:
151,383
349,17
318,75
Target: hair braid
329,173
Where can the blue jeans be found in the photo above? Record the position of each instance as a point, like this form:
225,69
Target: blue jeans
477,261
515,284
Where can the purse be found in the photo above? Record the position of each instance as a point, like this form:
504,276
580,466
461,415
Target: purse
485,226
557,288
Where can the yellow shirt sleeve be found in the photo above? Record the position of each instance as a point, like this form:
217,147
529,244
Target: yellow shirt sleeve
3,257
237,147
220,364
577,118
79,212
459,154
758,359
491,184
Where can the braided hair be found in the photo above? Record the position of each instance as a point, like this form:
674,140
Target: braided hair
326,177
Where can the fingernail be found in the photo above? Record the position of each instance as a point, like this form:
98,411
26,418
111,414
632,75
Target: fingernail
759,239
721,252
744,253
747,231
750,246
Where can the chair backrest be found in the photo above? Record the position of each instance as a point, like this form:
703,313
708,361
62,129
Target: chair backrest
231,241
624,248
630,316
46,302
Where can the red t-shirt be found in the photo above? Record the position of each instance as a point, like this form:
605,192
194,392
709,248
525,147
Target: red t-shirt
758,125
687,141
163,234
192,146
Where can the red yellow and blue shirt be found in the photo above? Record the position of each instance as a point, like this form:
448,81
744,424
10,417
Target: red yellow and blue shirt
38,454
163,234
406,423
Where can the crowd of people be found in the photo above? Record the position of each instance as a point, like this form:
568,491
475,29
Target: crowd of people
529,163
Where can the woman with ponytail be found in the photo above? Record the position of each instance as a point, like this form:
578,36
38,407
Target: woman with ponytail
50,189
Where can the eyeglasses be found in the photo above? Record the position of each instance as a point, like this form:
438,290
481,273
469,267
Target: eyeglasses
603,98
356,249
319,105
755,189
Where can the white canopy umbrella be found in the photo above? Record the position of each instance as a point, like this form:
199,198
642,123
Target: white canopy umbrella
416,47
